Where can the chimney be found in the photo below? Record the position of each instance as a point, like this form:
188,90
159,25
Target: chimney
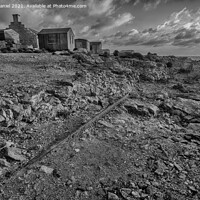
15,18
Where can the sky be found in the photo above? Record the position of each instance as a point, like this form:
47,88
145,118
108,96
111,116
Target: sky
165,27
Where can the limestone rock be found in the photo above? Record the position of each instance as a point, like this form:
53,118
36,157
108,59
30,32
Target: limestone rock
47,170
112,196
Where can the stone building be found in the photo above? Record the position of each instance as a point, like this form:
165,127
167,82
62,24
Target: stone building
28,37
56,39
96,47
9,37
82,43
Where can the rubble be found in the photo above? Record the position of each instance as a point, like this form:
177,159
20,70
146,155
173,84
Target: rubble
46,169
145,148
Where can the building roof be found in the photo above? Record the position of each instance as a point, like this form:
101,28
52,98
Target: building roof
82,39
54,30
33,31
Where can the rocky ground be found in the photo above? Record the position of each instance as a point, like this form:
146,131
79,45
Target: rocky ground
147,148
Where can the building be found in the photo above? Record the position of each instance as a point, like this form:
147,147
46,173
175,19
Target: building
12,36
106,51
82,43
9,37
96,47
56,39
28,37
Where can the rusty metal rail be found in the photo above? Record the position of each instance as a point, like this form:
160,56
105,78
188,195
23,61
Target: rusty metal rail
21,170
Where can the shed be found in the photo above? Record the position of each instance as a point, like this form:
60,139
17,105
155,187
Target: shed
56,39
82,43
96,47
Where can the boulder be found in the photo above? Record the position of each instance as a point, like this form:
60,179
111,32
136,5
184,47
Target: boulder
47,170
126,54
84,58
81,50
139,108
62,53
112,196
11,151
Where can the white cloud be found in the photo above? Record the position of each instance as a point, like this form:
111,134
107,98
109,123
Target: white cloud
100,7
133,32
151,4
58,19
123,19
85,29
182,29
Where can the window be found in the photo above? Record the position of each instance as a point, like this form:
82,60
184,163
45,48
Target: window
52,38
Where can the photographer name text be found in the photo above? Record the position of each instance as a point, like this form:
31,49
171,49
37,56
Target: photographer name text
41,6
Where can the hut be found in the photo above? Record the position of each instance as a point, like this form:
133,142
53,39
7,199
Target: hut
82,43
56,39
96,47
28,37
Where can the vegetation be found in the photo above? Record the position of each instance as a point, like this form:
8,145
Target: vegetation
169,65
116,53
138,56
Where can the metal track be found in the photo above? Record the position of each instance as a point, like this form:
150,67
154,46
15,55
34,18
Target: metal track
23,168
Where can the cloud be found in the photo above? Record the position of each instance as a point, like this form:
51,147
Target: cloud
85,29
112,22
151,4
101,7
182,29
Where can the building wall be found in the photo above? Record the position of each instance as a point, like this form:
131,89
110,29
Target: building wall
96,48
82,44
27,37
56,41
71,40
12,35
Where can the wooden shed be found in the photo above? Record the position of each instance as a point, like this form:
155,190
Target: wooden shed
56,39
82,43
96,47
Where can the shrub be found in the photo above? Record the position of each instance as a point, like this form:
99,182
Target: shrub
8,48
20,50
185,71
138,56
116,53
28,51
106,54
15,51
37,51
44,50
4,50
169,65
